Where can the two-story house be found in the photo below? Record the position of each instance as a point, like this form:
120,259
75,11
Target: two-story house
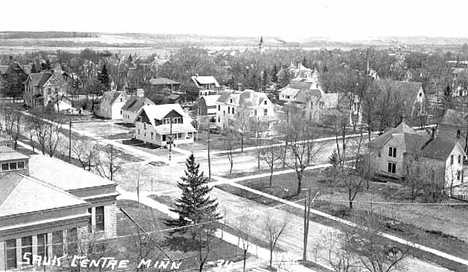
207,85
12,78
46,89
111,104
132,108
207,109
163,124
49,207
235,106
394,151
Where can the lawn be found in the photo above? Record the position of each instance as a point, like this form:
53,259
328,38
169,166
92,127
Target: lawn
153,221
439,227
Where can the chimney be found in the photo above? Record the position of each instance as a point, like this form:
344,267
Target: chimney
458,133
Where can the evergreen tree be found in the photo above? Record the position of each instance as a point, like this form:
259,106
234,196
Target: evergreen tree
264,79
194,206
305,63
274,74
103,78
33,68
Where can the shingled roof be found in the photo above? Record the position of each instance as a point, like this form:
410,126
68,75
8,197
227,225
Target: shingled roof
439,148
453,118
402,128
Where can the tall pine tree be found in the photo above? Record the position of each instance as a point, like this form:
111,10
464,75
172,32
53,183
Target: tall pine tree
274,74
103,78
194,207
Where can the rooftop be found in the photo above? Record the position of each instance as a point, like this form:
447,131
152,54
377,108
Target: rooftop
8,154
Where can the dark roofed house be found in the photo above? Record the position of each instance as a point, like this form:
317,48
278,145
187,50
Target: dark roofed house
207,85
410,95
111,104
42,89
13,78
394,151
155,85
132,108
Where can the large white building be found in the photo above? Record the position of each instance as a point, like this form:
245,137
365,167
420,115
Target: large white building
157,124
237,106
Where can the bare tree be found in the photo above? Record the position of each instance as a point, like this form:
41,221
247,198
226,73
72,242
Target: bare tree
337,257
244,227
272,228
271,154
107,164
300,150
86,151
374,252
229,146
47,132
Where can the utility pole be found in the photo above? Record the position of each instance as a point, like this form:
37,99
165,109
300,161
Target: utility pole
170,138
69,141
209,158
307,204
111,162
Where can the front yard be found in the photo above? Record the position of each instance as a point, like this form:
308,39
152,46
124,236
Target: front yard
152,222
441,226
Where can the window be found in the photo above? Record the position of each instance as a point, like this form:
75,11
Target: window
232,110
26,247
151,135
120,112
451,159
391,167
100,218
378,154
459,159
219,107
229,110
41,247
255,112
144,126
458,175
11,254
179,135
57,243
72,241
177,120
13,166
219,119
265,112
138,131
20,165
230,100
392,152
5,167
265,102
164,138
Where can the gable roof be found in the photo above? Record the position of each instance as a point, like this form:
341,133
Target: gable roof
305,95
382,139
136,104
205,80
158,112
40,195
407,89
226,94
453,118
111,96
300,85
163,81
439,148
210,100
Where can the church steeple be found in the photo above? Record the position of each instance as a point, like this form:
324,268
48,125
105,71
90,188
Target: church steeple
260,45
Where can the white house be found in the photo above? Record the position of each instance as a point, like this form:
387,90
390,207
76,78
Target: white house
207,85
111,105
132,108
157,124
236,106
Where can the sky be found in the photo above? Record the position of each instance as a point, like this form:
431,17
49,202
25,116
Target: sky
290,19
